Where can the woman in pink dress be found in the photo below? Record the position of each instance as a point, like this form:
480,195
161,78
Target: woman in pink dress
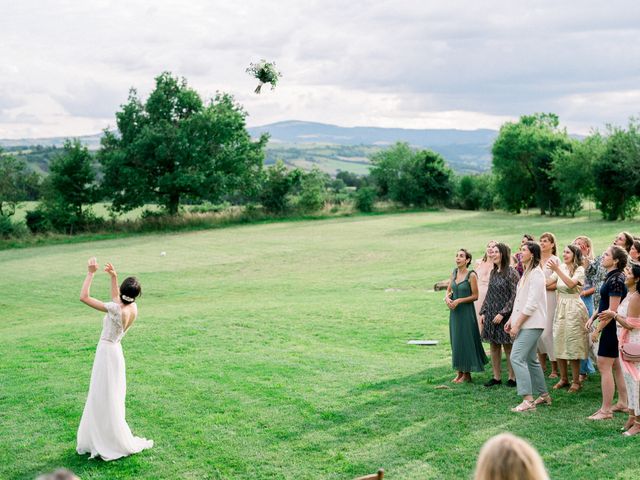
483,271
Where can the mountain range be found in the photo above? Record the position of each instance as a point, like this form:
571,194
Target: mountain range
332,148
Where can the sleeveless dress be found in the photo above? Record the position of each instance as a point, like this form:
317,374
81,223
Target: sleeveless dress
103,430
569,332
467,354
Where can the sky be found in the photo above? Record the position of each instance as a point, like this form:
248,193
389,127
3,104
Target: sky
67,66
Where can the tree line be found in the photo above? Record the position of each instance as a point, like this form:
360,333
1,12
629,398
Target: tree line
175,149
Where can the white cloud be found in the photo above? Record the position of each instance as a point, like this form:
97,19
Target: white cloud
457,64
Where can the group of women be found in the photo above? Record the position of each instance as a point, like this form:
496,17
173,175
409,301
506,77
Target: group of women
542,309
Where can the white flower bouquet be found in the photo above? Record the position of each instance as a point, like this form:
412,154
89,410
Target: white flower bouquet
265,72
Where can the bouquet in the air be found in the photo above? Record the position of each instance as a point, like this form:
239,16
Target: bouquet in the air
265,72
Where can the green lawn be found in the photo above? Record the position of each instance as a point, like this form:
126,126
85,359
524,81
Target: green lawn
279,351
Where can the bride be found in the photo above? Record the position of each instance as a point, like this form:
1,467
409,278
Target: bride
103,429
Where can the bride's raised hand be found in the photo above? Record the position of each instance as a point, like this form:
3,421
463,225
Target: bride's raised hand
92,265
110,269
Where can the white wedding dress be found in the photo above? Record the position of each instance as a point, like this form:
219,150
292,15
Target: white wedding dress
103,429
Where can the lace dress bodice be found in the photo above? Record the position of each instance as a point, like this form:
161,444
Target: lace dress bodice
112,329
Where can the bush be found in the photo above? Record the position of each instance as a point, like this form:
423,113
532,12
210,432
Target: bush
209,207
59,218
365,199
313,193
474,192
10,229
277,186
37,221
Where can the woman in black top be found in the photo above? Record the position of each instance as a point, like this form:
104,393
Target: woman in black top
613,290
496,310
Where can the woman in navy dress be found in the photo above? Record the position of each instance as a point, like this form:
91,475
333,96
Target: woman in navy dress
612,292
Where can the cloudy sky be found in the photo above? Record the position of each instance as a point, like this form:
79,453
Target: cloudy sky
67,66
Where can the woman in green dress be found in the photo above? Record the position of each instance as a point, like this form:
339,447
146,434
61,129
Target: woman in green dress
467,354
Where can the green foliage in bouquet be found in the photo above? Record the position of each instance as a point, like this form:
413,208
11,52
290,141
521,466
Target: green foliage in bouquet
265,72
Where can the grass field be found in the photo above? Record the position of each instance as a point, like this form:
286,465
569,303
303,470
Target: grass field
279,351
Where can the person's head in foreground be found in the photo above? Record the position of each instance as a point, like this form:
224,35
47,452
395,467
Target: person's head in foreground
507,457
60,474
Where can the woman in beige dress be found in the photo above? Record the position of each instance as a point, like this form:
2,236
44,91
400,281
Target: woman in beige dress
483,271
569,332
545,344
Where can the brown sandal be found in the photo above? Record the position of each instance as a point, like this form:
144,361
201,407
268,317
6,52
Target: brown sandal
634,430
560,384
575,387
600,415
543,400
618,408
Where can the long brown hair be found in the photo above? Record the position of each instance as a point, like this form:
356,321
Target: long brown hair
505,259
536,254
577,258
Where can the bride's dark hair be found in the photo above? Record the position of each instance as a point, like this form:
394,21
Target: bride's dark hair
130,288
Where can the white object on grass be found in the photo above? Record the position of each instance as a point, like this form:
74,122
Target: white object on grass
422,342
163,254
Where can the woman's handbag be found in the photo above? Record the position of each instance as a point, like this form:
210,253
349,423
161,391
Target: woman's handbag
630,352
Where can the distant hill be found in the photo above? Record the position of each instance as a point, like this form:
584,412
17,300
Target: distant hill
332,148
91,141
294,131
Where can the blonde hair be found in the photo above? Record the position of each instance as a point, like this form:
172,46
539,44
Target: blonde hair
484,258
507,457
587,241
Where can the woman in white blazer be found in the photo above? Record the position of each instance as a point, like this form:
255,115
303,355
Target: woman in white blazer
528,321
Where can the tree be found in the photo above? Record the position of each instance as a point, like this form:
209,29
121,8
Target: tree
475,192
412,178
69,187
386,166
523,156
313,192
573,173
71,182
617,173
277,186
16,183
174,147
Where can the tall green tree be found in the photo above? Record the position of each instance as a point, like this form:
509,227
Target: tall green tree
69,188
175,147
523,156
17,183
573,172
617,173
386,167
71,183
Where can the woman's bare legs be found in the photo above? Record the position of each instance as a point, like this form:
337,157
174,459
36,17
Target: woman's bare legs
605,365
496,360
507,352
622,387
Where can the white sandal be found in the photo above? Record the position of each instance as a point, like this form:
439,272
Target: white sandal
525,406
